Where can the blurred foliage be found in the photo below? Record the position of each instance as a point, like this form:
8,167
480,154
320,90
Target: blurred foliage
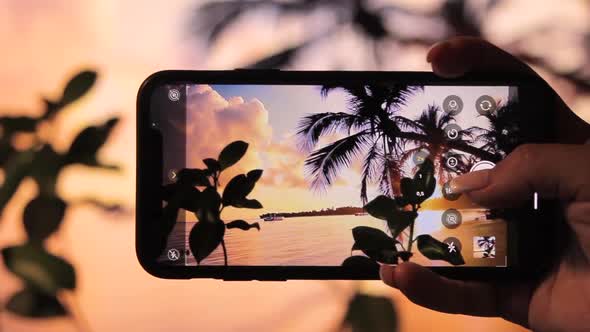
373,20
197,191
44,274
369,313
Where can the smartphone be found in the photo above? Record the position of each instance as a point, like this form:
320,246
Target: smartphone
276,175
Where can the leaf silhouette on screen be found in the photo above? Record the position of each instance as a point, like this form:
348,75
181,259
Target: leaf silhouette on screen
199,191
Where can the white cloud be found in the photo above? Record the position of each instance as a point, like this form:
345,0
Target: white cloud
213,122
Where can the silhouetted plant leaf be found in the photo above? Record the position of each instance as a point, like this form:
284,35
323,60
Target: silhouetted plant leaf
254,175
382,207
46,167
86,145
44,271
78,86
279,59
400,221
368,313
212,165
205,237
15,170
106,207
228,19
182,196
424,181
434,249
401,201
193,177
404,255
42,217
385,256
18,123
242,224
34,304
370,23
231,154
208,205
247,204
168,191
237,189
51,108
368,238
360,263
6,150
191,199
408,190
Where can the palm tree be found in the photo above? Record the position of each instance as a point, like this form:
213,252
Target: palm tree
373,128
503,135
431,123
370,128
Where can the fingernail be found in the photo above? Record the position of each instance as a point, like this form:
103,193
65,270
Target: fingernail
387,274
470,181
435,49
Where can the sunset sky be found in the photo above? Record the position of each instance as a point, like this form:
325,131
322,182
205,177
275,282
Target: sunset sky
267,117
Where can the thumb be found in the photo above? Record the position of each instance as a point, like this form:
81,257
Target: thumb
552,170
428,289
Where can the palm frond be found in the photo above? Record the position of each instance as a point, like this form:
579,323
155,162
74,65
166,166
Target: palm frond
356,90
399,94
407,124
370,171
322,165
313,126
433,119
390,177
384,185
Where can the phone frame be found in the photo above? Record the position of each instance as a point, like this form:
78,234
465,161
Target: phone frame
533,92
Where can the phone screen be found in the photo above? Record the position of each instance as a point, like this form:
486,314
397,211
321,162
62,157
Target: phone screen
310,175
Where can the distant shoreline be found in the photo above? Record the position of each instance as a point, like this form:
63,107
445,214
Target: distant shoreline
328,213
340,211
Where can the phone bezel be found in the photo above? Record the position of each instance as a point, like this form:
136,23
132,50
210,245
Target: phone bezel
532,92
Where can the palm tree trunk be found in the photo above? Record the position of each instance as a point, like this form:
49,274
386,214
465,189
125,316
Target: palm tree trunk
386,155
411,237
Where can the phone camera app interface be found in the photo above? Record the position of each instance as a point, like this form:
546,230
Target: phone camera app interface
339,175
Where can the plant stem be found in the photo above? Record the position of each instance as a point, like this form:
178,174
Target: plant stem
402,245
224,252
411,238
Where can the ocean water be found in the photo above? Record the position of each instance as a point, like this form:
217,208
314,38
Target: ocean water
302,241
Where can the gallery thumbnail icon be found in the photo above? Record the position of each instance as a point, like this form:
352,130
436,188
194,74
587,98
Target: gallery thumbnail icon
484,247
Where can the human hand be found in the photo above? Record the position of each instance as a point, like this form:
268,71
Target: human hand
559,302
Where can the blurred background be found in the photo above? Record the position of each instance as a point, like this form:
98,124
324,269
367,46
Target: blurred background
46,43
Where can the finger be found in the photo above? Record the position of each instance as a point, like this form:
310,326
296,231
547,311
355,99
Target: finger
578,214
458,56
426,288
461,55
552,170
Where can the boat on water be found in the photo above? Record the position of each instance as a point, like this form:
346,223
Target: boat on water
360,214
272,217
